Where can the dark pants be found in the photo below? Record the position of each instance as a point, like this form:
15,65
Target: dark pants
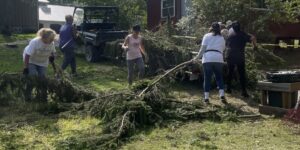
130,66
69,59
241,70
210,69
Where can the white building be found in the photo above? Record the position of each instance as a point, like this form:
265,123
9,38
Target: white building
53,16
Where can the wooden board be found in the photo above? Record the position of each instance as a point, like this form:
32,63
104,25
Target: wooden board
280,87
276,111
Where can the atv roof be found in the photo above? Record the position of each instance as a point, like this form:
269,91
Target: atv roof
95,7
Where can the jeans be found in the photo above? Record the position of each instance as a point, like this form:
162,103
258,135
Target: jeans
130,66
210,69
69,59
40,73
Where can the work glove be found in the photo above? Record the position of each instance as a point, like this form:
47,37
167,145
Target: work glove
25,71
51,59
125,48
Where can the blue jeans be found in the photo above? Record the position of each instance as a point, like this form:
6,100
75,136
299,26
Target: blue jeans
69,59
35,70
209,70
40,73
130,66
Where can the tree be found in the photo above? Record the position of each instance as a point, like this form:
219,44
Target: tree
254,15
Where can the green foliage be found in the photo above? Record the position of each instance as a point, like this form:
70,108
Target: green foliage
203,12
284,11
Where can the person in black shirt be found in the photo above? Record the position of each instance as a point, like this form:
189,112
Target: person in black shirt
235,55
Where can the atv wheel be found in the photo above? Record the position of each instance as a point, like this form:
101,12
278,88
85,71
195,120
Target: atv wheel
91,53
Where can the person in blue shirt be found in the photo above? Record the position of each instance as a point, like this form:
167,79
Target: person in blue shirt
67,34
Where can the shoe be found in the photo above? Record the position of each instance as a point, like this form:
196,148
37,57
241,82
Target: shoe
245,94
223,100
206,101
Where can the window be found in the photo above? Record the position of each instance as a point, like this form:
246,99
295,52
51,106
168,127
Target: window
167,8
78,16
261,4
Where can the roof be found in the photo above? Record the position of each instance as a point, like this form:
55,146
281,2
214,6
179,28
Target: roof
43,1
55,13
96,7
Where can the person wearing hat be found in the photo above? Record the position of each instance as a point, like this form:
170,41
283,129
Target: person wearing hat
134,49
211,53
235,55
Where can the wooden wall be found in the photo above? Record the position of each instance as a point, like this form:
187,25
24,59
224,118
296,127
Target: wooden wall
154,13
19,15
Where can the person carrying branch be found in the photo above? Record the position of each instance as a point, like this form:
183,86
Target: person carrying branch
211,53
67,34
134,49
235,55
36,57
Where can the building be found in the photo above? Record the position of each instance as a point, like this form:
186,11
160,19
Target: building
53,16
160,10
19,16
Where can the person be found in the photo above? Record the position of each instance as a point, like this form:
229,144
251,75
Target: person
66,43
235,55
134,48
224,31
36,57
211,52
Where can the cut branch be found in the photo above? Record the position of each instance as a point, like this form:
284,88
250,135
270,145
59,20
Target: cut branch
163,76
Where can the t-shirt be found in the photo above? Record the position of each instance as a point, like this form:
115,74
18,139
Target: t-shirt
39,52
134,50
213,43
236,44
65,35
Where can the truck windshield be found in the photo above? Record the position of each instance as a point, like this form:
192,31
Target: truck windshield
101,15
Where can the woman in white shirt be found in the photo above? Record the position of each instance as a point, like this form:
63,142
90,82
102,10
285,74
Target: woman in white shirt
36,58
211,52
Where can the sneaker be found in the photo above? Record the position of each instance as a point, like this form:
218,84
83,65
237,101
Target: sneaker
206,101
223,100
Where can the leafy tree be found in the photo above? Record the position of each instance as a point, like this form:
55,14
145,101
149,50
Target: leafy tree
254,15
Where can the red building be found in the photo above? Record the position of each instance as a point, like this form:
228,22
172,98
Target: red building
159,10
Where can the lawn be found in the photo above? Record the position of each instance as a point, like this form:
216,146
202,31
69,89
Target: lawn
16,37
27,126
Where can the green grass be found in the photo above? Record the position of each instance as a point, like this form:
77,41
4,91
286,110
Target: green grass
266,134
101,76
16,37
47,133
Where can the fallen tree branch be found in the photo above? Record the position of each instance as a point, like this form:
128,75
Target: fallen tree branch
164,75
122,123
